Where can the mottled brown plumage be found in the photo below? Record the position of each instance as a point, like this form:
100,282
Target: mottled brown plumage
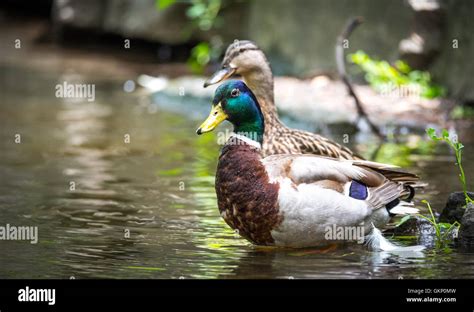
246,59
279,139
247,201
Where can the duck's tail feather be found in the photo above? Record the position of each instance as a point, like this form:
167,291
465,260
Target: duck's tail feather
377,242
411,192
404,208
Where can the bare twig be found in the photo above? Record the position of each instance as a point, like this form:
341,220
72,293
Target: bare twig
341,68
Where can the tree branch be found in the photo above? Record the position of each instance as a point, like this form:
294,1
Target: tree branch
341,68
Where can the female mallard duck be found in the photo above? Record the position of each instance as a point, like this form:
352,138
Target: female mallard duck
246,59
291,200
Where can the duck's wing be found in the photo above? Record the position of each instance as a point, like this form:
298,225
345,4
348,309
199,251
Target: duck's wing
393,173
378,184
310,169
305,168
283,140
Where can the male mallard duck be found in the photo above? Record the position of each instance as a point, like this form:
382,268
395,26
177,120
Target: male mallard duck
291,200
246,59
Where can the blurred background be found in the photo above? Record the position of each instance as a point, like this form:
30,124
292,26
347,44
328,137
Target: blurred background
121,187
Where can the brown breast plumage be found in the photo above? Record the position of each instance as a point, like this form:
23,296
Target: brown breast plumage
246,199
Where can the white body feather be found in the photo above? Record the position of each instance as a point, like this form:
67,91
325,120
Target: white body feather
377,242
309,209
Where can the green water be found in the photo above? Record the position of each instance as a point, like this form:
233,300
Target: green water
147,209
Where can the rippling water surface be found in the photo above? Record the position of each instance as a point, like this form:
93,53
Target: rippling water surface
147,209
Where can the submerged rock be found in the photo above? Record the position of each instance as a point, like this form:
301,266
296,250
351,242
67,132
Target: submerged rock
454,209
418,227
412,226
466,232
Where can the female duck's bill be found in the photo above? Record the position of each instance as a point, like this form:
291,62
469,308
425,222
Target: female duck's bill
224,73
236,59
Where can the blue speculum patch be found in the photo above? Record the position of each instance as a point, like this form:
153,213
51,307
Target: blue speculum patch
358,190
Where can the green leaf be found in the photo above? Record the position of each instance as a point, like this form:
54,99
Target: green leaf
200,57
444,226
445,133
380,74
403,220
196,10
403,67
164,4
462,112
432,134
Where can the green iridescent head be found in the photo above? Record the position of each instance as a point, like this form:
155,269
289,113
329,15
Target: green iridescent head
235,102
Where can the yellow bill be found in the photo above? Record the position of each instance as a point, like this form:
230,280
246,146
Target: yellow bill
216,116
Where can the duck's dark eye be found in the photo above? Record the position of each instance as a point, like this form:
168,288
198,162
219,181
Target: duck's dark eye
235,93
